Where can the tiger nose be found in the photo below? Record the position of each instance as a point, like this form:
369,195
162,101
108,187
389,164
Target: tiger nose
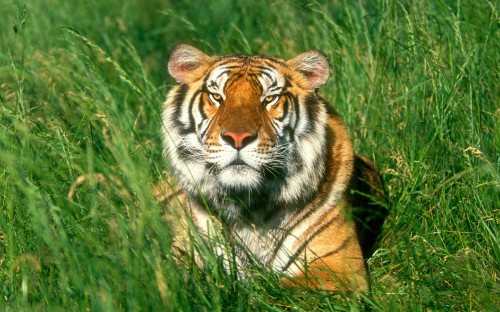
238,140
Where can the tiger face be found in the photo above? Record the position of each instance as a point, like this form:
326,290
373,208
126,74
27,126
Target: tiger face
239,139
246,126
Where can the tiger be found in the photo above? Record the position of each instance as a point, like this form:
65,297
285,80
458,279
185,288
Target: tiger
256,150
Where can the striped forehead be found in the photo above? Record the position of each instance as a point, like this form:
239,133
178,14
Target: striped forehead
270,79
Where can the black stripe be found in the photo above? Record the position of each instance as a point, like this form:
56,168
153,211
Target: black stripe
180,95
287,85
184,152
331,252
312,107
265,68
256,83
271,61
190,128
207,75
296,110
285,109
226,59
213,85
308,240
224,72
202,134
228,67
300,216
291,133
204,85
272,78
275,89
274,84
275,61
178,101
200,108
266,74
275,126
234,77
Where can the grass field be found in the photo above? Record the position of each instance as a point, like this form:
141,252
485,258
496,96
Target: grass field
81,89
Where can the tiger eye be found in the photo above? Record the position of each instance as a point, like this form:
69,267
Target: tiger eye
270,98
214,97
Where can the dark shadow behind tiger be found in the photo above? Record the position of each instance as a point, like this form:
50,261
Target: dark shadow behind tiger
369,209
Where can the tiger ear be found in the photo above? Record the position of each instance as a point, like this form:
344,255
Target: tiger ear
313,65
186,63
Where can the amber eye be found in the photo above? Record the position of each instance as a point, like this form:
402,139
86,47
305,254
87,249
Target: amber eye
216,98
270,99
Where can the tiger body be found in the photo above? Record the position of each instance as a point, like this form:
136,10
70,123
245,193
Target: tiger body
256,152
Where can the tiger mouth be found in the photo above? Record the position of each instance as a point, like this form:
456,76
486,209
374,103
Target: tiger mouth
239,166
238,162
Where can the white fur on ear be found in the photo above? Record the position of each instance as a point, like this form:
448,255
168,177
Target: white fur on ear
313,65
186,62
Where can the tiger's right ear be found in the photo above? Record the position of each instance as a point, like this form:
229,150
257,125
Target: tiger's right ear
186,63
314,67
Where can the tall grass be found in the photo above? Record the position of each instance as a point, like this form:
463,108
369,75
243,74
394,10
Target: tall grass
81,89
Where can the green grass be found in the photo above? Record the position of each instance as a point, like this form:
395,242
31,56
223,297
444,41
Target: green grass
81,90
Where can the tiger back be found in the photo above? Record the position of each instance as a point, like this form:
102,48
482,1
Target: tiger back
256,151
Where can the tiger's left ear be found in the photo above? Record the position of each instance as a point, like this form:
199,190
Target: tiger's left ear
186,63
313,65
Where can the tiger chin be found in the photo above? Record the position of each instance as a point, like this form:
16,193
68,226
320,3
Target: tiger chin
261,157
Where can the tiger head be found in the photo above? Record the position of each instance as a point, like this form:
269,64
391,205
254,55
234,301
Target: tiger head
246,126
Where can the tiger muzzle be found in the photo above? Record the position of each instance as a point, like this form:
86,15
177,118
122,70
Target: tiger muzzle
238,126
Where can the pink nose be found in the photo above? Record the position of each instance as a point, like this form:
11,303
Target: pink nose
238,140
